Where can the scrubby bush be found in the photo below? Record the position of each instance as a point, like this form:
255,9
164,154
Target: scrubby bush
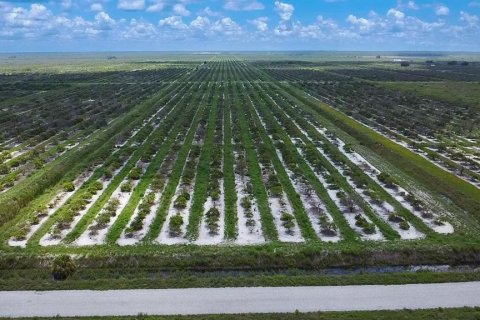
4,169
404,225
126,187
135,174
215,195
246,203
393,217
96,186
68,186
276,191
158,183
213,216
175,225
362,222
387,180
63,267
181,201
288,222
107,175
328,229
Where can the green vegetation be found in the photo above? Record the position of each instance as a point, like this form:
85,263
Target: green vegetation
223,165
464,93
63,267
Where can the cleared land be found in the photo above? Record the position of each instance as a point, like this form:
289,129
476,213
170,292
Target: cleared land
225,162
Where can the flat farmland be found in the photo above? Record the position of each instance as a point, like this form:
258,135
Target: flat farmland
232,162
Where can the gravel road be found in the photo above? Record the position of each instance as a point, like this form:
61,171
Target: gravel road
237,300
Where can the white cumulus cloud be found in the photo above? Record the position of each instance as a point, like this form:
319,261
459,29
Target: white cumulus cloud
156,6
260,23
226,26
396,14
412,5
243,5
471,19
207,11
174,22
131,4
442,10
181,10
200,23
285,10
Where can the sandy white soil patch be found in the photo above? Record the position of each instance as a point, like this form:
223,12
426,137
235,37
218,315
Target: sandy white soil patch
89,238
55,204
246,234
165,237
278,206
350,216
204,235
371,171
124,240
49,239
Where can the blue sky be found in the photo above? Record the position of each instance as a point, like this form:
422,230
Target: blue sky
196,25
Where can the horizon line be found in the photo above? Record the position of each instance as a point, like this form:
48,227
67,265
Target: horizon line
245,51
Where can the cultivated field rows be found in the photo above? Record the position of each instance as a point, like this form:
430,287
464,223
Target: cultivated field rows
226,159
450,150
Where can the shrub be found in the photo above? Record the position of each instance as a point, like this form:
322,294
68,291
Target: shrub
213,216
367,227
186,194
393,217
35,220
370,229
246,203
175,225
126,187
146,158
387,180
217,174
427,214
276,191
135,174
180,202
97,185
63,267
4,169
250,224
158,183
287,222
404,225
21,233
215,195
329,229
68,186
107,174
